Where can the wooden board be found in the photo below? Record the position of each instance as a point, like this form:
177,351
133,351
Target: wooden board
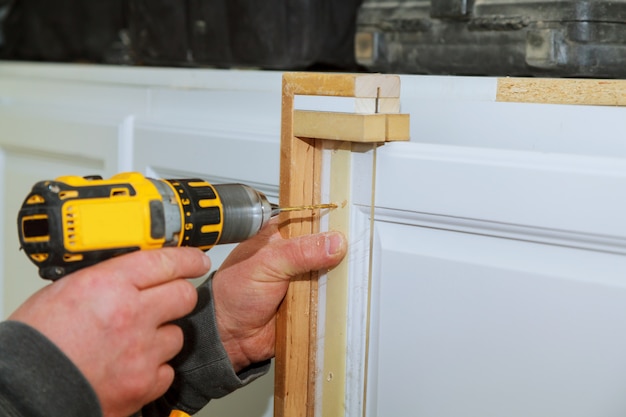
300,172
351,127
562,91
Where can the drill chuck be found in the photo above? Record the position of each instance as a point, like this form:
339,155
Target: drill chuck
73,222
246,211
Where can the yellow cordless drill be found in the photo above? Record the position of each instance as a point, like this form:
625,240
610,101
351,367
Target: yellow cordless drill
73,222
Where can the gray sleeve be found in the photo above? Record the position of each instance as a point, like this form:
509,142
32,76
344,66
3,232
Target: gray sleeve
38,380
203,369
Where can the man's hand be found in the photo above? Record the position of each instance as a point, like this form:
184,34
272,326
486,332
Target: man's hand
252,282
112,321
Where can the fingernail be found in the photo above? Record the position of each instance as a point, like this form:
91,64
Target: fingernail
334,243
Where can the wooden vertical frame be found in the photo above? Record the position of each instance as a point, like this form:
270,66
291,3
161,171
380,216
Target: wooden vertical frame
302,142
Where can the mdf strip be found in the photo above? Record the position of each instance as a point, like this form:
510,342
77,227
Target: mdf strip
562,91
334,366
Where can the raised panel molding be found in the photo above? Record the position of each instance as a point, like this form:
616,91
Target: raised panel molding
493,327
543,197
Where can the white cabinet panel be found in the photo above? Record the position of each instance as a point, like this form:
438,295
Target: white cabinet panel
564,198
462,111
221,156
500,284
495,327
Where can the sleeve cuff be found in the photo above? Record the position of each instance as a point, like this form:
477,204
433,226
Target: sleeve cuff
37,379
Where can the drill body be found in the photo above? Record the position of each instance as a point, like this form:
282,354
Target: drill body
73,222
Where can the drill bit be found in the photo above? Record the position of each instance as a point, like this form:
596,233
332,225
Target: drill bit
277,209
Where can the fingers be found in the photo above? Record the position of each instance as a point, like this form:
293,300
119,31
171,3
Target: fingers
169,301
168,342
165,378
149,268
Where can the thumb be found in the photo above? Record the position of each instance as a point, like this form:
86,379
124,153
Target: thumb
313,252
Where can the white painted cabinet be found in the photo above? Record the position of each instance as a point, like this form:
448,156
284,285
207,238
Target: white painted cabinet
500,240
514,305
501,277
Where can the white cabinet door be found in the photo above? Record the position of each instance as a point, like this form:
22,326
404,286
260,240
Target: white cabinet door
500,268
